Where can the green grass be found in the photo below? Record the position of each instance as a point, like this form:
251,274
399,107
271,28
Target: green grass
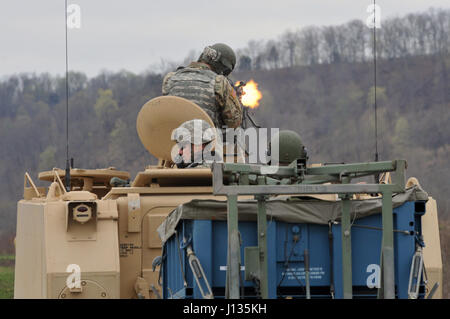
6,282
7,257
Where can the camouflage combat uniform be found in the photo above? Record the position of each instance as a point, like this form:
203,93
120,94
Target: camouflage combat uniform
212,92
202,164
199,132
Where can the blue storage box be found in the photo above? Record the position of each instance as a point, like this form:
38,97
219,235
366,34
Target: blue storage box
286,243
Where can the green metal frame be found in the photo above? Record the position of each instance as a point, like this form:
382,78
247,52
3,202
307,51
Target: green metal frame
249,179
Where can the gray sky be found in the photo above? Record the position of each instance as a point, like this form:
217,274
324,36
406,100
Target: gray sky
134,34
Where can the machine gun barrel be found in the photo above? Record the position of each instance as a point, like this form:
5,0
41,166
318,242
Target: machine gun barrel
239,88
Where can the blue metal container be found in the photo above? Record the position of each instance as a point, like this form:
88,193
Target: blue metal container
286,245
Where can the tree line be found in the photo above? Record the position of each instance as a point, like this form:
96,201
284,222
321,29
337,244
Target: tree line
415,34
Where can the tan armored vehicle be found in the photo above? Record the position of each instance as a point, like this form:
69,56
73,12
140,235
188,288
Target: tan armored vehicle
99,241
107,233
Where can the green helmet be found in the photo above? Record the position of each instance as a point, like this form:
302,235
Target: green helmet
221,58
290,147
195,132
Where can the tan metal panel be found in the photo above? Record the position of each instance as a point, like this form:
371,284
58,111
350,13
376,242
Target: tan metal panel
432,251
30,267
153,221
134,213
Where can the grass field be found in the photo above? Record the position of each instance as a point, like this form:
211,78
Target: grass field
6,276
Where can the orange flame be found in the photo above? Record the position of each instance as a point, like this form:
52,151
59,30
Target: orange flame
251,95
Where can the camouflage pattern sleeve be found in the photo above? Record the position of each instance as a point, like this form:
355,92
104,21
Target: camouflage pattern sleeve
165,89
226,98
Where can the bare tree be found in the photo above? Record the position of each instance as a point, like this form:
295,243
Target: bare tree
415,34
290,41
272,55
356,34
309,45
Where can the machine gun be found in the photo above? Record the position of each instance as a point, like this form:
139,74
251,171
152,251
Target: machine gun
239,88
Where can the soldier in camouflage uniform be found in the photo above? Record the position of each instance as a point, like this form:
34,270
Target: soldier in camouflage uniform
194,143
205,83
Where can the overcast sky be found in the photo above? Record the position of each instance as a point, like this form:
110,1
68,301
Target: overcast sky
134,34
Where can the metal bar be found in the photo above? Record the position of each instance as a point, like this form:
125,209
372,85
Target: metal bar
199,274
180,259
365,168
233,249
308,286
404,232
116,191
60,183
320,179
262,246
256,169
303,189
217,178
380,292
433,290
415,274
398,178
27,177
346,248
388,246
373,167
399,166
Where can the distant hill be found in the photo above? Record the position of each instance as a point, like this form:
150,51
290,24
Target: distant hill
331,107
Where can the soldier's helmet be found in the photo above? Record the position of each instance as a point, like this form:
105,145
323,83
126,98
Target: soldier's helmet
194,132
221,58
290,147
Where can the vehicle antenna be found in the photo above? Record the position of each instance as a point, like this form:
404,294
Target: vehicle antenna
375,79
67,175
377,176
